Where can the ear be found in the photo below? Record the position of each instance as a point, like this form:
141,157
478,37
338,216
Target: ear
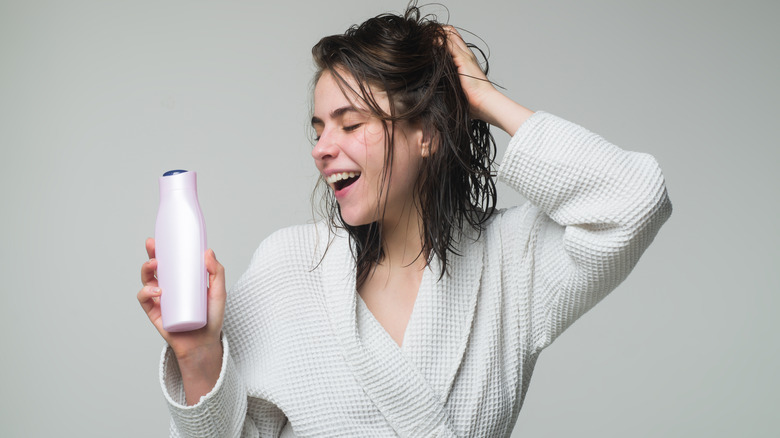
428,144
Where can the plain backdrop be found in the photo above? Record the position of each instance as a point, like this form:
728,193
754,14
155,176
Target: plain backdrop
98,98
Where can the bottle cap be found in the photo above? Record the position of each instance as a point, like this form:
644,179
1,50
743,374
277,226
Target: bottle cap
178,180
174,172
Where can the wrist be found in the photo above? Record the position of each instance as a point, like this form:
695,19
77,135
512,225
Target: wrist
201,358
484,107
501,111
200,369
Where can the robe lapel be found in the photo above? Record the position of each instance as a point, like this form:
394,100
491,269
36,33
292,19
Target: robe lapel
409,395
440,327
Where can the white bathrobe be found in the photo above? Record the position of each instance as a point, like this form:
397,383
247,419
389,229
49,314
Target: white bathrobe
303,355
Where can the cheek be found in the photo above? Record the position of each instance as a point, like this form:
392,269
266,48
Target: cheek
373,154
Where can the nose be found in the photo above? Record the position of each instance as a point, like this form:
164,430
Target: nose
326,147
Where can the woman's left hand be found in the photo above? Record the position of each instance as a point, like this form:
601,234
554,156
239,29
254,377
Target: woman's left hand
485,102
475,84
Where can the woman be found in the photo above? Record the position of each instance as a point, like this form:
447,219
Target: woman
417,309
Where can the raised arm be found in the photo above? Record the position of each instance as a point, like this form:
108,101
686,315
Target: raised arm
485,101
596,207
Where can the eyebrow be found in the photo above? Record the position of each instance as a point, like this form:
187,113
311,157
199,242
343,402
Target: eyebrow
338,112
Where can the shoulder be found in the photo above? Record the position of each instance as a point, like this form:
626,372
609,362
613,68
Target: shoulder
509,219
296,236
508,229
501,221
286,257
290,243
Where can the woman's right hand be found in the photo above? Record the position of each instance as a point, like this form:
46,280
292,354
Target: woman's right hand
199,352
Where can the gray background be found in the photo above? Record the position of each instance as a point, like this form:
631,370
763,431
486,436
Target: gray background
98,98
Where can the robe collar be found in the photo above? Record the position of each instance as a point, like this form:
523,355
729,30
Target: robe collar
407,384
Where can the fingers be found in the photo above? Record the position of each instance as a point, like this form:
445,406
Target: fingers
148,271
457,45
149,268
150,247
451,30
473,80
216,294
216,271
148,297
212,265
453,36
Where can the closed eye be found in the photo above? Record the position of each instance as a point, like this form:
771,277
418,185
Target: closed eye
349,128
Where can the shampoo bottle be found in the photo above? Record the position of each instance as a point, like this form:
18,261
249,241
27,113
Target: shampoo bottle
180,248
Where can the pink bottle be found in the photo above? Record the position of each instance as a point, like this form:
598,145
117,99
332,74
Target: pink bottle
180,247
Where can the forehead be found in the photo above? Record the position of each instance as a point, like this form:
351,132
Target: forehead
331,93
328,90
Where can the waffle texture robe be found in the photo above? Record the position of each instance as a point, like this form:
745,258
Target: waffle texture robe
303,355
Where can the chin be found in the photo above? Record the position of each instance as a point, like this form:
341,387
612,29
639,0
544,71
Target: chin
354,222
355,218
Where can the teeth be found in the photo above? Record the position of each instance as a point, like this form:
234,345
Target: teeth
340,176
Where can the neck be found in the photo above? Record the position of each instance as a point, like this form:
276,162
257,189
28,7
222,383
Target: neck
402,241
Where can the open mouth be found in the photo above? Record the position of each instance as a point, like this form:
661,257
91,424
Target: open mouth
342,180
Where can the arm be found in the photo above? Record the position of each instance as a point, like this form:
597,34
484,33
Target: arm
199,352
219,412
598,207
226,410
485,102
198,374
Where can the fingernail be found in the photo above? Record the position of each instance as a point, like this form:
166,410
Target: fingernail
155,290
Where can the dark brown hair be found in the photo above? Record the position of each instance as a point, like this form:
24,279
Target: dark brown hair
407,57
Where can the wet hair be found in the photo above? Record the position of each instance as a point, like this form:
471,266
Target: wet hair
406,56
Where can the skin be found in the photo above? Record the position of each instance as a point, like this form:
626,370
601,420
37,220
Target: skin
354,140
349,138
199,352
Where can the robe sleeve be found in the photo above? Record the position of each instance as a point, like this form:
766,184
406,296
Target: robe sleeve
218,413
223,411
226,411
595,209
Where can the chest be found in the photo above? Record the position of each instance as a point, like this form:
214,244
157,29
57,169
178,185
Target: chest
391,299
399,391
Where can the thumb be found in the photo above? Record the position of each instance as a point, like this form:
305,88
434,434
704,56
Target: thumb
216,273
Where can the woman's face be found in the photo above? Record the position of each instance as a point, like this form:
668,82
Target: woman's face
350,154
